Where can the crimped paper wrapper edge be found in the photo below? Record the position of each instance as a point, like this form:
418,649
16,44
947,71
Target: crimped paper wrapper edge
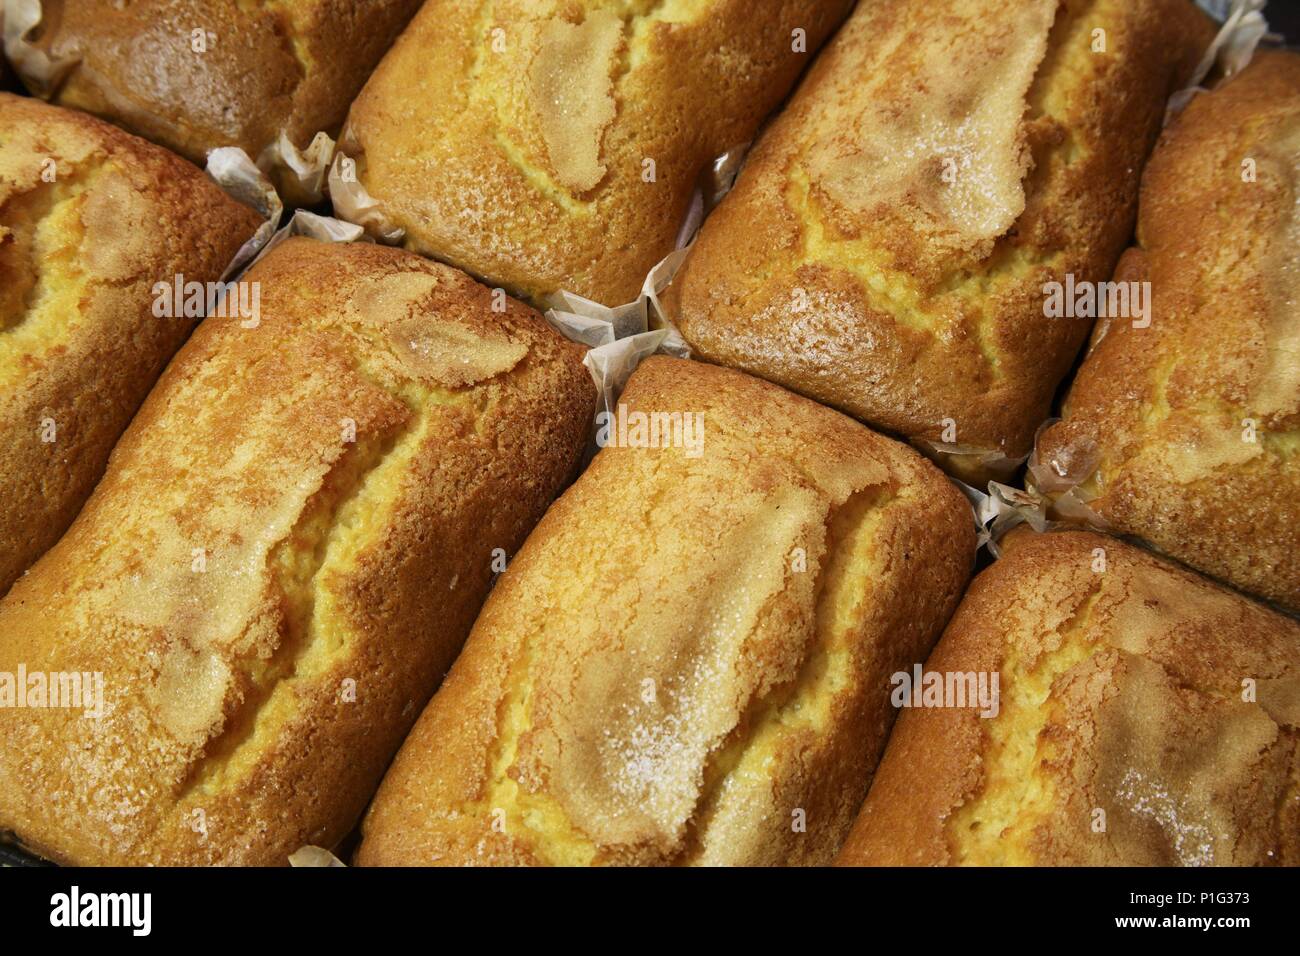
313,856
1232,49
231,169
40,73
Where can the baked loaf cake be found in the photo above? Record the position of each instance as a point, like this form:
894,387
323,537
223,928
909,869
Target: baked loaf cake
90,219
688,661
516,138
264,67
1147,717
886,246
288,549
1187,432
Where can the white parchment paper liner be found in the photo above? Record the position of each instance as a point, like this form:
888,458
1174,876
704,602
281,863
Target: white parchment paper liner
621,336
1001,508
304,223
40,73
991,461
1059,483
239,176
232,170
1232,50
310,856
350,199
299,174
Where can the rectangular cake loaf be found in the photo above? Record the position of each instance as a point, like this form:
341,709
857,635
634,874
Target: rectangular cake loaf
289,546
1145,717
689,660
886,247
1185,430
91,219
194,75
547,145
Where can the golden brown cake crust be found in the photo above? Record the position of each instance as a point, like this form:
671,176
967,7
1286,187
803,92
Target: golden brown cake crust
1122,708
79,343
291,65
657,679
288,548
886,245
509,137
1158,421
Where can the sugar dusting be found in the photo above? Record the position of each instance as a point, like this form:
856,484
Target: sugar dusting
1192,842
658,752
646,761
572,92
949,146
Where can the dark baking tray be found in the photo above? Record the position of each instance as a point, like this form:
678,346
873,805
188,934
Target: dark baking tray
11,855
